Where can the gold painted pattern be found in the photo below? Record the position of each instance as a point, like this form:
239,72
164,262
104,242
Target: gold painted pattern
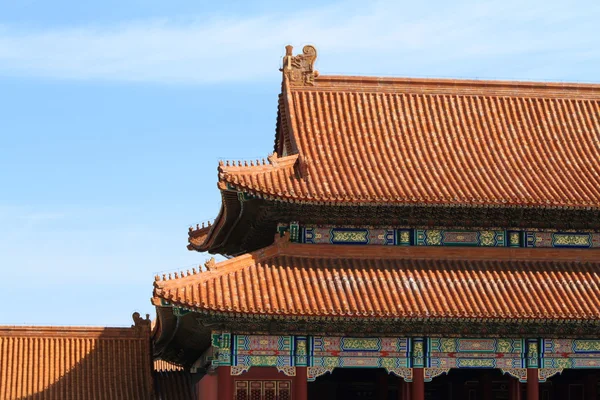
404,237
448,345
350,236
504,345
571,240
434,237
475,363
263,360
487,238
586,345
301,348
514,238
361,344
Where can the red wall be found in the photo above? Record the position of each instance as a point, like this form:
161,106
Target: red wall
206,388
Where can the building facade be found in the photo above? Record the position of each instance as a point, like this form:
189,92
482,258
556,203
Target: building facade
406,239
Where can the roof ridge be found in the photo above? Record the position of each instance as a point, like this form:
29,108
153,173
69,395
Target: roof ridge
273,161
512,87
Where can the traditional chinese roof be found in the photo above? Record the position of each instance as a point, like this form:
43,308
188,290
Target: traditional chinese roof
431,141
388,142
75,362
310,280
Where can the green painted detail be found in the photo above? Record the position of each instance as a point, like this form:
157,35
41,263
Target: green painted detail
243,196
282,229
294,232
221,343
180,312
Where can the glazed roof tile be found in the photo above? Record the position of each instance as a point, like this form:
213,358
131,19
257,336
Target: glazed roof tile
166,366
395,282
435,142
172,382
75,363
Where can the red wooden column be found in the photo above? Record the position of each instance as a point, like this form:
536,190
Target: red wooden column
533,386
403,389
514,389
418,384
301,384
225,383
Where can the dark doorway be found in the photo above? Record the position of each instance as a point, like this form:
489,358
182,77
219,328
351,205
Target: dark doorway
573,384
355,384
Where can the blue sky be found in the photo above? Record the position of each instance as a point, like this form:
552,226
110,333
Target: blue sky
114,115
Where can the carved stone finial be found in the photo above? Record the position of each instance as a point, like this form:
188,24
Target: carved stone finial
299,69
210,264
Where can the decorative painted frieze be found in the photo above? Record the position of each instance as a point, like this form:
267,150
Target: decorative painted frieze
475,353
567,353
322,354
439,237
562,239
349,236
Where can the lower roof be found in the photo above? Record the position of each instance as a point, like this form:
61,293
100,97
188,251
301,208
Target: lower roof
172,382
76,362
307,280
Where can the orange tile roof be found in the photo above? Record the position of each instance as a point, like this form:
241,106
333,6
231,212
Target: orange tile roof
75,363
165,366
431,141
395,282
172,382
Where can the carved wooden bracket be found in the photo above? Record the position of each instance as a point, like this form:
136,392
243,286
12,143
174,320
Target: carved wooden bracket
403,372
314,372
431,373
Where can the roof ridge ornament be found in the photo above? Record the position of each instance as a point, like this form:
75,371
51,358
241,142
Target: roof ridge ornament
138,321
299,69
209,265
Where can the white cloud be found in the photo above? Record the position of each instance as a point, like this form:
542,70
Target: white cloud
376,37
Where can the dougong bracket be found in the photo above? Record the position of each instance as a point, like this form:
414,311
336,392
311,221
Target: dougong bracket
299,69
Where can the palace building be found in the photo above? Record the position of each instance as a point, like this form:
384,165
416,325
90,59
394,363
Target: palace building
406,239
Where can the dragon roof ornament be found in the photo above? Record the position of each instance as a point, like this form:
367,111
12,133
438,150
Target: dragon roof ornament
299,69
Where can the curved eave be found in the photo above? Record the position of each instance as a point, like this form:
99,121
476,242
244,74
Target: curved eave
210,238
